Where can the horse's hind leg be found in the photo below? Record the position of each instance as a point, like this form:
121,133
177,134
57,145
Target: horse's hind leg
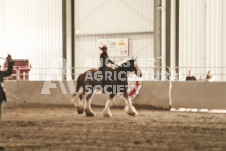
80,106
0,108
130,109
106,111
88,109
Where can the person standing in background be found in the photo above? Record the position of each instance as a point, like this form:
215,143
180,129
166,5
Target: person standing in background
190,76
2,75
210,77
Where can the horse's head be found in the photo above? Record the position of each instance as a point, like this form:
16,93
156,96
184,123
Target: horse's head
135,68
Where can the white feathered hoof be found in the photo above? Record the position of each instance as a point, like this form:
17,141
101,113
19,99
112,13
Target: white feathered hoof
80,109
89,113
131,111
107,114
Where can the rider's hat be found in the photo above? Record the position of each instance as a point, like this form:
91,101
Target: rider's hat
103,47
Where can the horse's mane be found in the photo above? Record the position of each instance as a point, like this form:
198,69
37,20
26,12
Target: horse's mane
122,67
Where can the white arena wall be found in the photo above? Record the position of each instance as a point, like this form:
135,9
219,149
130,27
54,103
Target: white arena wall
224,35
21,93
200,95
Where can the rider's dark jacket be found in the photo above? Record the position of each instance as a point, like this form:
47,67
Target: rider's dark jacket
104,59
2,75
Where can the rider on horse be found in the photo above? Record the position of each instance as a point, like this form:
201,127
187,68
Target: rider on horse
104,61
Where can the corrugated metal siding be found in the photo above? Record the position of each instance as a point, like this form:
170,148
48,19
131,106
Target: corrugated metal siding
224,37
113,16
1,28
201,36
214,36
108,17
33,30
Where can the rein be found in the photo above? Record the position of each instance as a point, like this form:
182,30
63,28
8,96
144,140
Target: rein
2,58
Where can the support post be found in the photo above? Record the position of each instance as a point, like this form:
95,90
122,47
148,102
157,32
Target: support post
157,34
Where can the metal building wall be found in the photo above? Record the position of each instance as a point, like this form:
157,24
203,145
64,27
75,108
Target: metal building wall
224,37
103,19
201,37
1,27
33,30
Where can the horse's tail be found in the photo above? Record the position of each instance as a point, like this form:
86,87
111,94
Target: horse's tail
1,108
79,84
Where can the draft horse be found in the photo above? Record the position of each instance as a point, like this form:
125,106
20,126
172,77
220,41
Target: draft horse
116,82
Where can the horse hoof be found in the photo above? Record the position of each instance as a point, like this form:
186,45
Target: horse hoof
108,115
80,109
132,113
2,148
89,114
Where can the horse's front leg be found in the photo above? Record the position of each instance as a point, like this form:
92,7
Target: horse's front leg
88,109
130,109
78,100
106,111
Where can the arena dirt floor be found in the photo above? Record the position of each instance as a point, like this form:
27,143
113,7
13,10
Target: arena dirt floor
61,128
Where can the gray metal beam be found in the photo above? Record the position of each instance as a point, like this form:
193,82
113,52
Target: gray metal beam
64,47
114,34
168,18
177,32
157,33
73,36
